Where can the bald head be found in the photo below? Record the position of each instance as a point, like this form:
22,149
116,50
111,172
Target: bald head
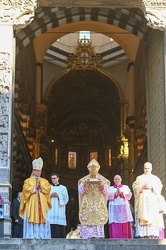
117,179
19,194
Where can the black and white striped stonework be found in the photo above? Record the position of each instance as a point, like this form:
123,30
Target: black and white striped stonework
131,20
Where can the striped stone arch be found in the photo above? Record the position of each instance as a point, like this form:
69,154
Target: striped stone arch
129,19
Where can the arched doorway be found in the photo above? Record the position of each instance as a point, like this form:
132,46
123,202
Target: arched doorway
85,110
118,25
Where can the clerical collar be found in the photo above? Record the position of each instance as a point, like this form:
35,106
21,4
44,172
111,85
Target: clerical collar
121,185
56,185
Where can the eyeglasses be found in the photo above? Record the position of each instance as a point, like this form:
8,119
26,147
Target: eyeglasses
53,178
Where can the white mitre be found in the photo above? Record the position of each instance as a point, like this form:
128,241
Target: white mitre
37,164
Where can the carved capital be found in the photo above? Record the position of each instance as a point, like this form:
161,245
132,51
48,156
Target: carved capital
155,13
17,13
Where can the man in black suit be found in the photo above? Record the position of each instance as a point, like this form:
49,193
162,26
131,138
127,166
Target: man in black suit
17,230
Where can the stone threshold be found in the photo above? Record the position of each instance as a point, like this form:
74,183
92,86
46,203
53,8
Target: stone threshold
82,244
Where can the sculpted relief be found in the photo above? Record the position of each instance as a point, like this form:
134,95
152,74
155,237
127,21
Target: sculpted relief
5,76
17,13
155,13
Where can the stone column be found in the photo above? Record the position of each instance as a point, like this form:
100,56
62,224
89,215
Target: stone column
12,16
130,122
131,89
156,104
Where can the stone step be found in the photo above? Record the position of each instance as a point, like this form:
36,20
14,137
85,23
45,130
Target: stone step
79,244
